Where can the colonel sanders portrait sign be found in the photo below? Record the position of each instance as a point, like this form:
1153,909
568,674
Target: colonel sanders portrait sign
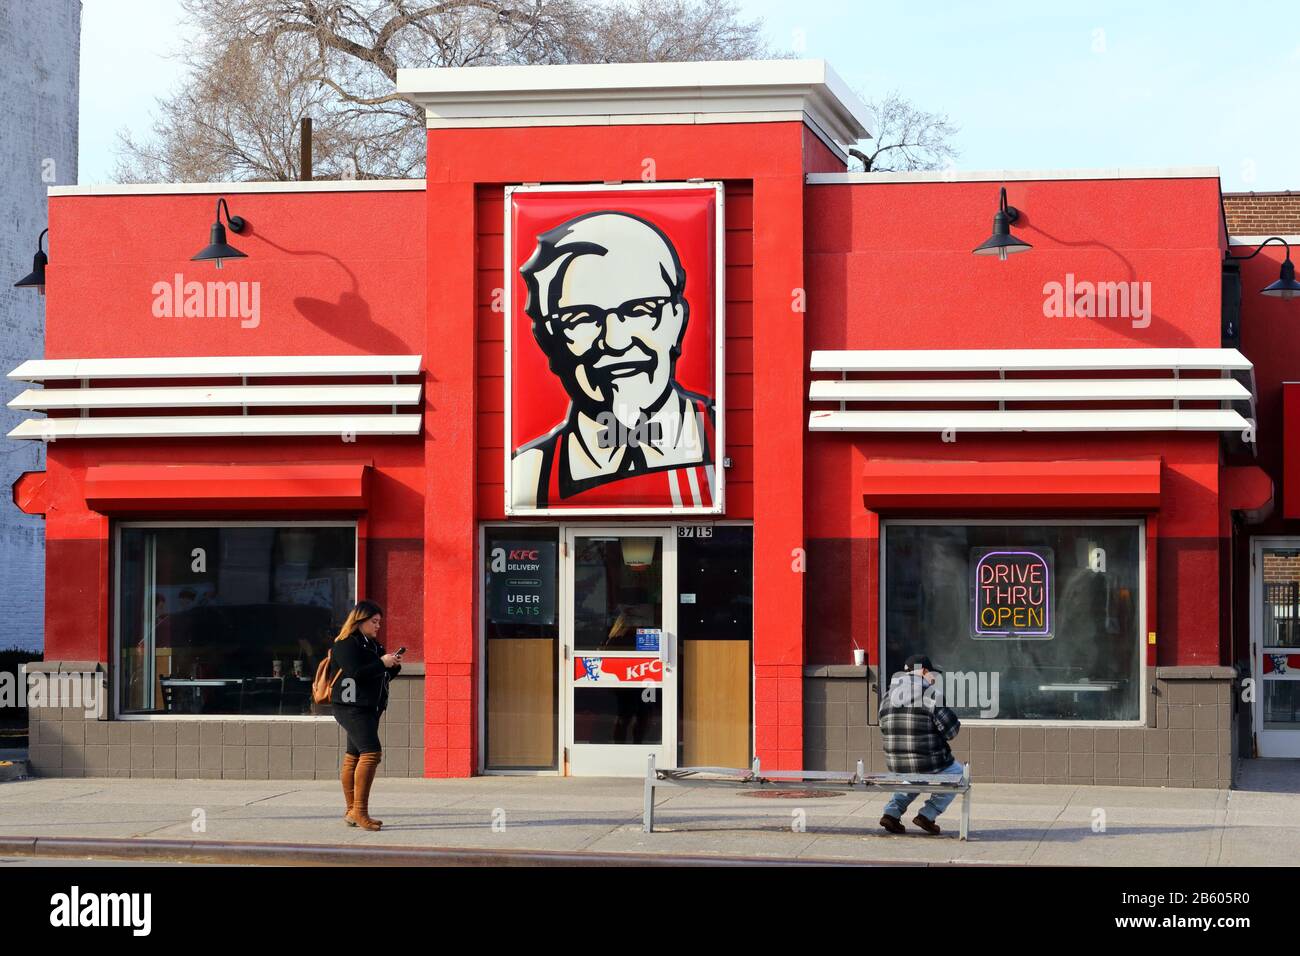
614,349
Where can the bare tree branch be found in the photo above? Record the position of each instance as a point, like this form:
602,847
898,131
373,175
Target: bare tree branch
257,67
906,138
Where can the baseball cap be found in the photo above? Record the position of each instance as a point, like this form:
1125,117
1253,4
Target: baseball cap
918,661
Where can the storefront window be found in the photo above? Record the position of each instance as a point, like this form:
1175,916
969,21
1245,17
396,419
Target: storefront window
1030,621
522,629
715,615
229,620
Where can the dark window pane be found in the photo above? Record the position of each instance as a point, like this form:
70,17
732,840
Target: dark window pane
1281,704
520,582
521,620
1088,666
1281,597
715,574
617,716
230,620
617,588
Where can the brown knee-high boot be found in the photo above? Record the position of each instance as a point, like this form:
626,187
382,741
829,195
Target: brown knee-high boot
367,764
347,775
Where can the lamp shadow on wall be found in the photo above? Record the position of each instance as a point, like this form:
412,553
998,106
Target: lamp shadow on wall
347,319
1168,333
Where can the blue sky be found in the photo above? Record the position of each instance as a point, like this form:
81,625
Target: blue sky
1031,85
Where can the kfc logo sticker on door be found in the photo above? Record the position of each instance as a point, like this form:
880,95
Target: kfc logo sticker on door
618,670
613,349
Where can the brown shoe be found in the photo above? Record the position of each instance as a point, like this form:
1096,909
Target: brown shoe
359,815
892,824
929,826
347,776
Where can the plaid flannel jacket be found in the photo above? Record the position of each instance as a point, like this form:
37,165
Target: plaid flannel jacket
915,728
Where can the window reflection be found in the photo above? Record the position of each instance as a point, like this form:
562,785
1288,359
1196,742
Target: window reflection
230,620
1089,666
622,715
618,587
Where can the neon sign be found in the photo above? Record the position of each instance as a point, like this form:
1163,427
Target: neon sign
1011,593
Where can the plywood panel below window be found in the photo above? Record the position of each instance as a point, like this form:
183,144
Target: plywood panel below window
520,703
715,703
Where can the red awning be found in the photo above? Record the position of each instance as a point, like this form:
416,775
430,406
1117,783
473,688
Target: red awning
32,493
1249,489
137,488
889,484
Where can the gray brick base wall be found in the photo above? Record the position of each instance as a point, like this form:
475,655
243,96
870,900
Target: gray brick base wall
65,743
1189,740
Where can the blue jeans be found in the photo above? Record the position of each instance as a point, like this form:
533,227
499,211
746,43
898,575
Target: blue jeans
937,803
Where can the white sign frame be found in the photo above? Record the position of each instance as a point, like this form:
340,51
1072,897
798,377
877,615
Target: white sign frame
719,348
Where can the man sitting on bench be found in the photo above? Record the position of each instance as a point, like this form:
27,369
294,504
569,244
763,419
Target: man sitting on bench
916,729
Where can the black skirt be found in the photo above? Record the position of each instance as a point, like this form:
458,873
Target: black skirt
361,724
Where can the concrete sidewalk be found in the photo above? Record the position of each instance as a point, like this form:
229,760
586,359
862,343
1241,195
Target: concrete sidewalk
1257,824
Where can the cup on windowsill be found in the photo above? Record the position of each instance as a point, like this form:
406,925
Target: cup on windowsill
859,656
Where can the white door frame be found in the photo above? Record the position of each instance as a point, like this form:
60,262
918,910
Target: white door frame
1268,743
617,760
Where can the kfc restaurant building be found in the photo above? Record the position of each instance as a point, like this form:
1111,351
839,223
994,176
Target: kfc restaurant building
640,417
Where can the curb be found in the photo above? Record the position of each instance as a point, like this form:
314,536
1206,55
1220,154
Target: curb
320,854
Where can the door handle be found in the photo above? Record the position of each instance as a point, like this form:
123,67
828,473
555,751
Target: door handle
665,649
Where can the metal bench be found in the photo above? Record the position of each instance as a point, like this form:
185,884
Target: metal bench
756,778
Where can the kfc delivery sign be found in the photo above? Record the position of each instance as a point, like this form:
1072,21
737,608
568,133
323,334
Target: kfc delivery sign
614,349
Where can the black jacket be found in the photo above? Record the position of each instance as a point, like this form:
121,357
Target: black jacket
363,680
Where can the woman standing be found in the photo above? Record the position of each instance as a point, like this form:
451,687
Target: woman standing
359,697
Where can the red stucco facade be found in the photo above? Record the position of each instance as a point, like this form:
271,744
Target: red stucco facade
810,266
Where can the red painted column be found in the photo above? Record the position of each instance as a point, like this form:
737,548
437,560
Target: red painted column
450,538
768,155
779,388
78,621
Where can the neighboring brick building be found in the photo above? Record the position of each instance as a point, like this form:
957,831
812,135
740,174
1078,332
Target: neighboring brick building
1262,214
38,149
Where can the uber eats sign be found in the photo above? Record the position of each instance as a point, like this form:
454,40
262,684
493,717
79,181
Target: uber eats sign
1011,593
521,582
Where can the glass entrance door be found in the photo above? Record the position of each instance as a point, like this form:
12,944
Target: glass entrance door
1276,646
620,650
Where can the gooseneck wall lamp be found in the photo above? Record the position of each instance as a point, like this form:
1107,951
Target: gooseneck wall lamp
218,250
1286,286
36,278
1002,243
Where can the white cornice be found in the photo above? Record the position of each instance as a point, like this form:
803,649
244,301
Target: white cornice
620,93
310,186
1290,239
1014,175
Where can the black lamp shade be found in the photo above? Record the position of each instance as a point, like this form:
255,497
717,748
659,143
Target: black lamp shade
1002,243
217,248
1285,287
1001,246
36,278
